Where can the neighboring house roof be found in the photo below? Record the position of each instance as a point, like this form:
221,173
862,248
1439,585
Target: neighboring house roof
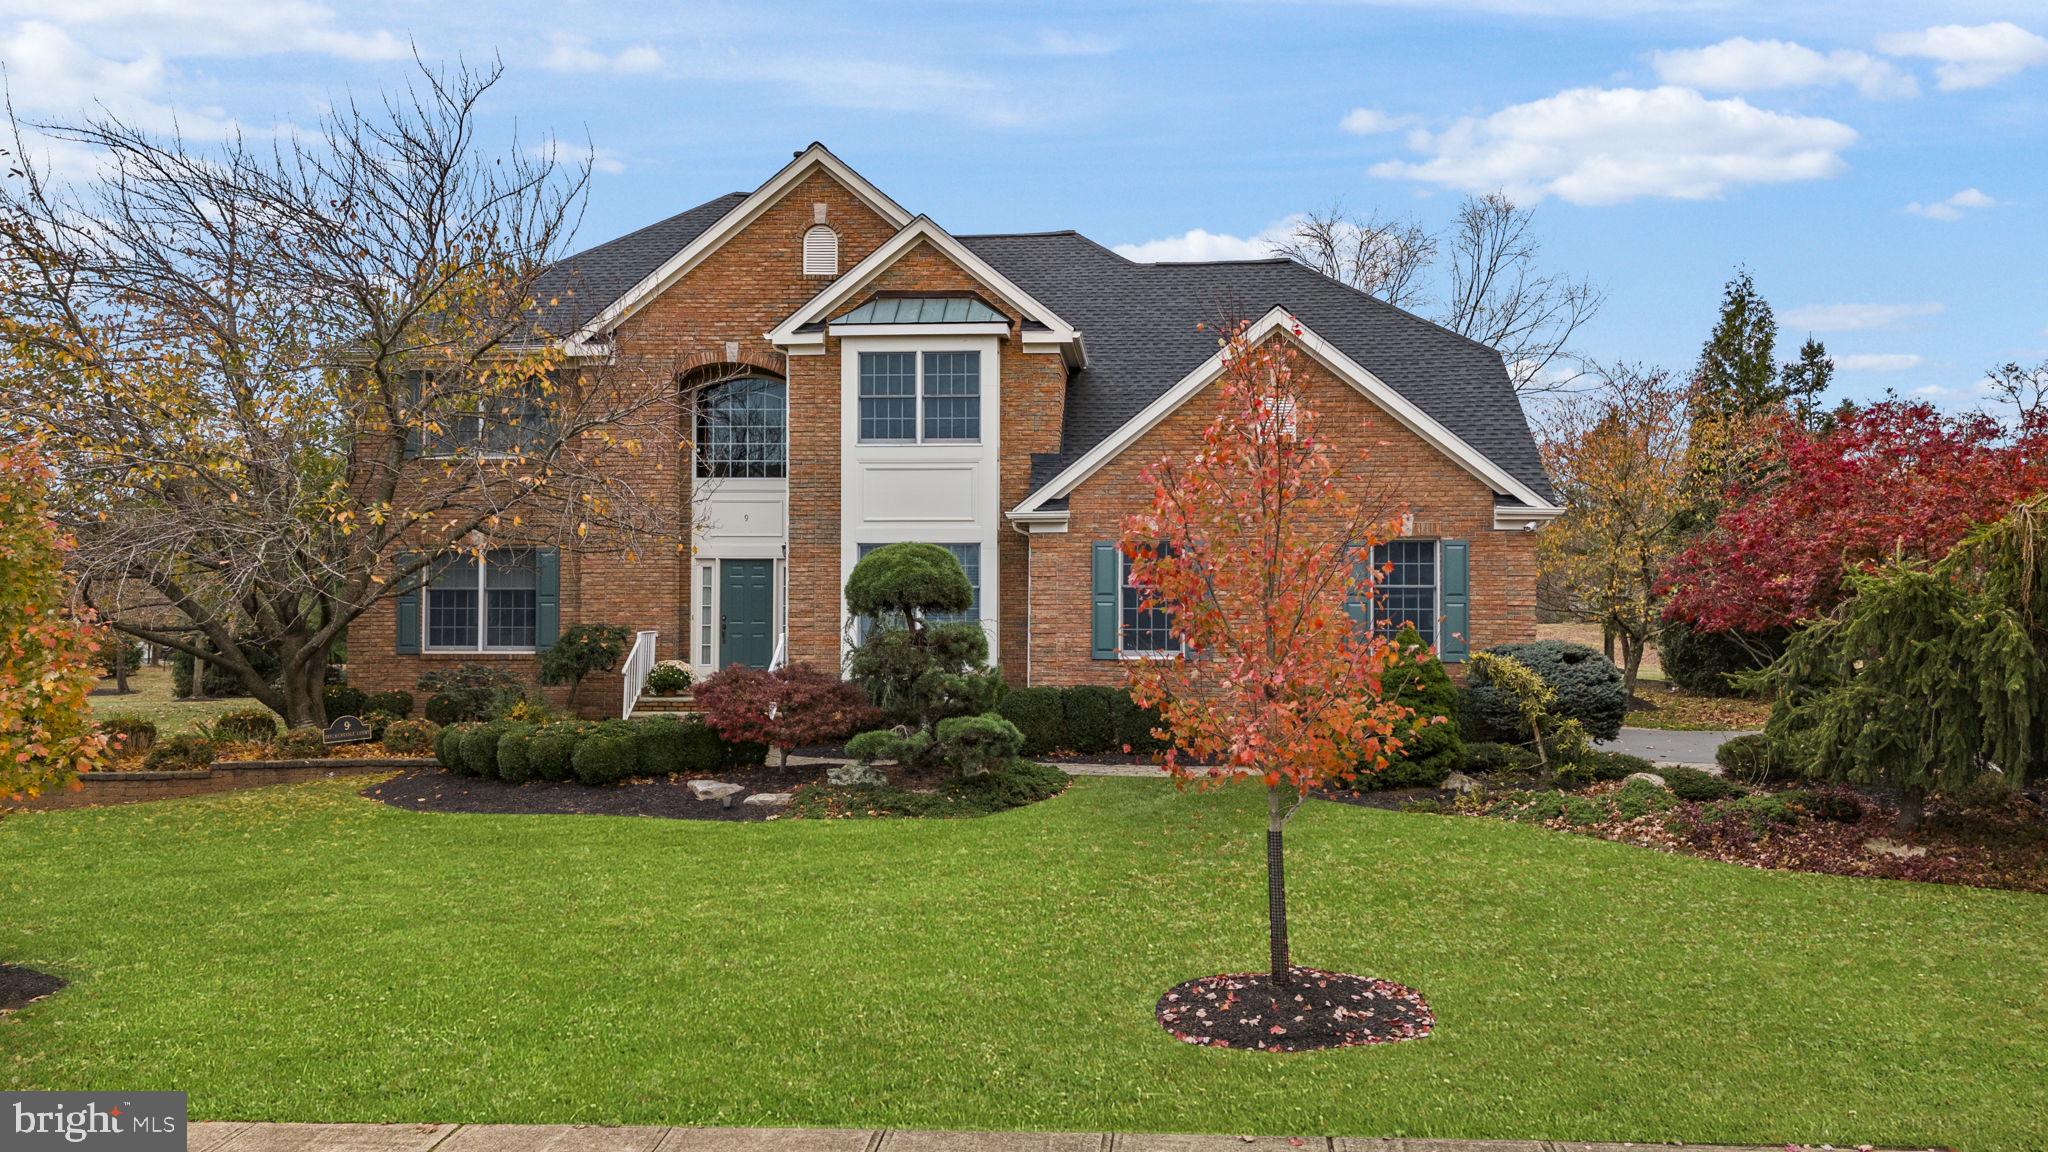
579,287
1139,321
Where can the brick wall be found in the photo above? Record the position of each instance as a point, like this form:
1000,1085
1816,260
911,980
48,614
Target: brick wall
1445,500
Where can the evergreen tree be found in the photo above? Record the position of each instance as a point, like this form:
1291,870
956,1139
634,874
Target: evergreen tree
1738,372
1803,380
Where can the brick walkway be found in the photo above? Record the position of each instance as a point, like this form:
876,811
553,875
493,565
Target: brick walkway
231,1137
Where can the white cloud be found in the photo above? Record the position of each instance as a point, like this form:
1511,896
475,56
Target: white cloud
1200,244
1745,65
214,27
1604,146
1057,43
574,54
876,85
1373,122
1879,362
600,159
1952,208
1855,317
49,73
1971,56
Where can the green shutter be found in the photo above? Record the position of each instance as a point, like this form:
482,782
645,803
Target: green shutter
409,608
547,597
1103,601
1355,606
1456,643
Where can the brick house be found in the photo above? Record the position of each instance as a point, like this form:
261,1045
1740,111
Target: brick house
873,378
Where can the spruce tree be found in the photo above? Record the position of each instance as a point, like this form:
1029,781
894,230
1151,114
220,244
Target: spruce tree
1738,372
1803,380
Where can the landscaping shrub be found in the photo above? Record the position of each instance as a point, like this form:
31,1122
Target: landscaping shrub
131,735
397,702
480,748
1834,807
670,678
791,707
580,650
1595,766
1639,798
184,753
469,692
410,737
550,755
1704,662
1693,784
302,743
605,757
515,765
1009,786
1433,751
377,723
667,744
1401,772
1488,756
1134,725
1089,714
976,744
919,674
246,725
1755,758
342,700
448,747
1586,685
1038,714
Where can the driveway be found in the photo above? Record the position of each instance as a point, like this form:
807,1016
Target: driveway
1694,748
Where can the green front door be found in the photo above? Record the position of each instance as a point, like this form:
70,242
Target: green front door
746,626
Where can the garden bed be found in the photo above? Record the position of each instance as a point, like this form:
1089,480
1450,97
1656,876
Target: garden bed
20,987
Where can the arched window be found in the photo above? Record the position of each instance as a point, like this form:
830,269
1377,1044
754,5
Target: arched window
742,430
821,252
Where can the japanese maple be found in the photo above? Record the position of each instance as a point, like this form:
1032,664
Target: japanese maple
792,706
1257,553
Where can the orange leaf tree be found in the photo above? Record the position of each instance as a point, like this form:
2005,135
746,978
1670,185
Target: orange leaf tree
1259,556
46,669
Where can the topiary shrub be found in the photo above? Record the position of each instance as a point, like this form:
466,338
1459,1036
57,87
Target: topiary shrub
550,754
515,765
246,725
342,700
975,744
469,692
1585,685
128,735
188,752
1705,661
1089,715
917,673
448,748
302,743
1039,714
397,703
605,757
480,748
1693,784
410,737
1134,726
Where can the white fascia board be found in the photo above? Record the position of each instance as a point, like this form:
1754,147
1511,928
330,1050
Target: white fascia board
971,328
921,229
1509,517
1347,369
693,253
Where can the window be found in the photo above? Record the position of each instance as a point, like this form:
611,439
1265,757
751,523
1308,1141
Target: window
704,613
896,386
489,418
742,429
821,251
492,604
969,556
1407,594
1141,629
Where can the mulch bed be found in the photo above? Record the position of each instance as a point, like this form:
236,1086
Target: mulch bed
20,987
1316,1010
1390,799
432,790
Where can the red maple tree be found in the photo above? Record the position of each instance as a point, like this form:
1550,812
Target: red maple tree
1896,479
1258,557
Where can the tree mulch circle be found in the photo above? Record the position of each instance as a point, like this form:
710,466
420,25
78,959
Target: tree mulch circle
1317,1010
20,987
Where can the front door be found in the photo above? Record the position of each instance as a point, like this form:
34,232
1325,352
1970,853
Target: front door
746,626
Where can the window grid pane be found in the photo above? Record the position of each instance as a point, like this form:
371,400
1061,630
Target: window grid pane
742,429
1142,629
511,600
1407,594
952,395
451,604
888,396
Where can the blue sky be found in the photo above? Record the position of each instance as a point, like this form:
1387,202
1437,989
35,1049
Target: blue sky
1878,166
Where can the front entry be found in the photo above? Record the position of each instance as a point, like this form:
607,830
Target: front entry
746,623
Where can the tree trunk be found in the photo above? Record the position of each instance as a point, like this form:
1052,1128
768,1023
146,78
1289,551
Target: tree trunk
302,686
120,663
1276,886
1912,804
1631,664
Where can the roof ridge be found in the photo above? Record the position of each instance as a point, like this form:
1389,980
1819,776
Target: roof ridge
670,218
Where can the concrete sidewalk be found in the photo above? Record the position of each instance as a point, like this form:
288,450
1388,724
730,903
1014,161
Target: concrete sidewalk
1694,749
233,1137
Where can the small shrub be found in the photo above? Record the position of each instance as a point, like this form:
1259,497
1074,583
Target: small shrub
1580,811
1755,758
1488,757
1134,727
130,735
469,692
790,707
302,743
1038,713
246,725
976,744
605,757
580,650
670,678
188,752
410,737
342,700
1089,714
1618,765
1707,662
1639,798
377,722
1537,807
550,755
1586,685
396,702
1693,784
515,764
448,748
1573,773
666,744
480,748
885,744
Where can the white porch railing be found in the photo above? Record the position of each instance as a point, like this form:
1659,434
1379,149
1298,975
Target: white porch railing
639,662
781,651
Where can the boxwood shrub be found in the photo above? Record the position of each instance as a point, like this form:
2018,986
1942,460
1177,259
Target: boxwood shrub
480,748
515,765
605,756
342,700
1755,758
1039,714
411,737
550,754
1134,727
1090,712
1587,684
448,747
302,743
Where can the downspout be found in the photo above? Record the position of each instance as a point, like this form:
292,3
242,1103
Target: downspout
1030,561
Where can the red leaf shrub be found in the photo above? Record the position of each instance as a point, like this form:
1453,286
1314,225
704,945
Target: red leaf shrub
790,707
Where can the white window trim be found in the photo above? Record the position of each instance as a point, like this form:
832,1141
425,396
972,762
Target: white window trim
1123,584
918,395
482,614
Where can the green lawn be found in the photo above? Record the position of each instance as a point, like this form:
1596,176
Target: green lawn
302,954
152,698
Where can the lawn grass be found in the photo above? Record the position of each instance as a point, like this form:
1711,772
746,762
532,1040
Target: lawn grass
302,954
152,700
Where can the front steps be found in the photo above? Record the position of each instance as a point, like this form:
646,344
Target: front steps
665,705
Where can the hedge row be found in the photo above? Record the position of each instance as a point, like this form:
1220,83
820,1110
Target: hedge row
593,753
1087,720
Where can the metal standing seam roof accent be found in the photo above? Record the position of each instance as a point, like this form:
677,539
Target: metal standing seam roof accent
923,310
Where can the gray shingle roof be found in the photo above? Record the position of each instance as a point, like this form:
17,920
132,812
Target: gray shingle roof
579,287
1138,322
